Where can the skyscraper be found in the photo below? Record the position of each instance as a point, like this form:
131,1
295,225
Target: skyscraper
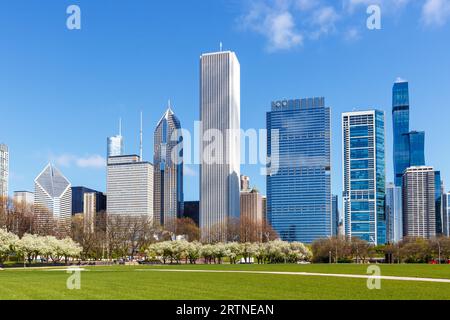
438,190
364,175
416,145
245,183
446,214
129,187
168,175
115,144
53,199
78,199
220,143
400,118
335,219
299,192
4,170
251,216
394,213
24,197
419,202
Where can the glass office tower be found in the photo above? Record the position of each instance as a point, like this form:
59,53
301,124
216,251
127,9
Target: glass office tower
400,118
438,190
394,216
416,142
168,166
299,192
364,175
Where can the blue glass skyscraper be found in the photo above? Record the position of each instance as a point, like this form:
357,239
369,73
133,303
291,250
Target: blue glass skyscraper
416,141
400,118
299,191
364,175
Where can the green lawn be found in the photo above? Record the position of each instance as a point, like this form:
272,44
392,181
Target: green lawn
142,283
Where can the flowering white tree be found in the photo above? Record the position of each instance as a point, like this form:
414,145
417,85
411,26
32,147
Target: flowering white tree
8,241
29,247
233,251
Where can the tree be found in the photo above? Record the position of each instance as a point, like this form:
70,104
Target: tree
8,242
187,227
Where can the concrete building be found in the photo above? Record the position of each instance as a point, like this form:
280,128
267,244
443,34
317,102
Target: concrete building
93,203
129,187
252,217
4,170
419,206
78,200
53,200
220,143
24,197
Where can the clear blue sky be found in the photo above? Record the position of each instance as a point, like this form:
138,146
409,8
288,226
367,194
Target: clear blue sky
62,92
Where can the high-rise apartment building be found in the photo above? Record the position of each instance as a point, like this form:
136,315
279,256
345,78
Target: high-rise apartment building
4,170
299,200
129,187
93,203
168,175
394,213
53,200
364,175
220,143
419,202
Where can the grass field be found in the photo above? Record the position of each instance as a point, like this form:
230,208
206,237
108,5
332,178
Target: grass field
144,282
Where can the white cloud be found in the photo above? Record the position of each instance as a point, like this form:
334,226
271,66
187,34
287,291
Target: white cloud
273,20
95,161
325,19
436,12
69,160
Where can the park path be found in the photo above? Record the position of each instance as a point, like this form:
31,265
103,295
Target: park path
310,274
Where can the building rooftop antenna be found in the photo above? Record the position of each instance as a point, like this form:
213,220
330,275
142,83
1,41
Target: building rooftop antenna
141,148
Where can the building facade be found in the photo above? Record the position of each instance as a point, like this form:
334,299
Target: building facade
78,200
364,175
245,183
93,203
446,214
168,175
335,217
53,200
192,211
129,187
4,171
299,204
252,217
220,143
394,213
400,118
24,197
419,202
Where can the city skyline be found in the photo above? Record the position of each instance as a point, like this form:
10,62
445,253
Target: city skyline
91,118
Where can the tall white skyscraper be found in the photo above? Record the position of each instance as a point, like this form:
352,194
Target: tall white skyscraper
4,170
53,199
419,206
129,187
220,145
